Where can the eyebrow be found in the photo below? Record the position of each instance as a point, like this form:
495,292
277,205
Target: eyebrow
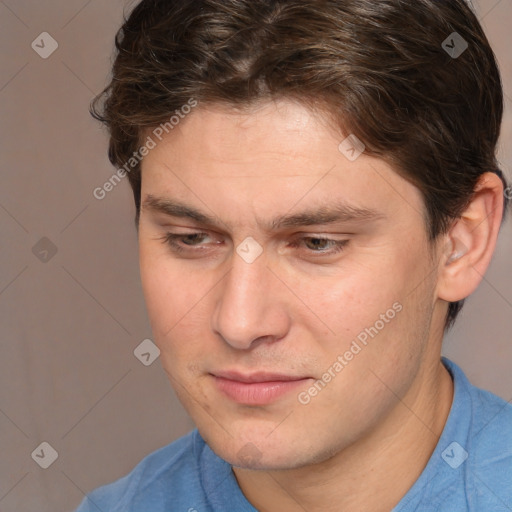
320,216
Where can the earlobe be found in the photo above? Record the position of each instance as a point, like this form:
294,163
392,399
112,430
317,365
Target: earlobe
470,241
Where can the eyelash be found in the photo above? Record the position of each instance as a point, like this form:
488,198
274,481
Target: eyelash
170,239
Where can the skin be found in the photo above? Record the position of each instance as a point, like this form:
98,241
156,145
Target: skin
363,440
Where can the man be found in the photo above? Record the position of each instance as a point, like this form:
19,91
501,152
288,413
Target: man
317,192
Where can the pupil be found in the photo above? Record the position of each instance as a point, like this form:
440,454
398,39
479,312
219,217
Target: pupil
192,239
317,242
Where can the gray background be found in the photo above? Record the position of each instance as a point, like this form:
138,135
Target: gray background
69,325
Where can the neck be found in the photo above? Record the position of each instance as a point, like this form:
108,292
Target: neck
375,472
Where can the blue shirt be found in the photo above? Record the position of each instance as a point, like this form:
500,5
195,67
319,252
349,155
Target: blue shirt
470,469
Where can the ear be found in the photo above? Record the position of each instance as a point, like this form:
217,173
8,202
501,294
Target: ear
469,244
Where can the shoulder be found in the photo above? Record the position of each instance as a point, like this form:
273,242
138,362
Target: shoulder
471,466
488,474
491,434
488,418
491,422
161,474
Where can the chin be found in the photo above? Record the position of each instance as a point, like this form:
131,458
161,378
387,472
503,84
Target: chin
256,449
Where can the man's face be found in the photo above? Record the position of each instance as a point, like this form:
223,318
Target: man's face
284,301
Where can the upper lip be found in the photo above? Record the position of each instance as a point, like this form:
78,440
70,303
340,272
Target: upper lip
257,377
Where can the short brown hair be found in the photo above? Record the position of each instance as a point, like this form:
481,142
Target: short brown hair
377,68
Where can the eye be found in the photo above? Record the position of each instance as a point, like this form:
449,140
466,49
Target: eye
181,242
194,242
321,245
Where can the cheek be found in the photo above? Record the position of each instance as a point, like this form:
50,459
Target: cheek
382,306
335,305
164,283
351,300
156,285
168,291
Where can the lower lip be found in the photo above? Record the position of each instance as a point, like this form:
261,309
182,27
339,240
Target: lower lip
256,393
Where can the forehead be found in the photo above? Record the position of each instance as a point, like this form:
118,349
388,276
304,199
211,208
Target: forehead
227,134
278,153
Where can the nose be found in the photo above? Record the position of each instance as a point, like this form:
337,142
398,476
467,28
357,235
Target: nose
250,306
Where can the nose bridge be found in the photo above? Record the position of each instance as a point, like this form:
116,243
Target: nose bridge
248,307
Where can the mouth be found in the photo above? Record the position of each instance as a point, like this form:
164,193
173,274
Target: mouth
257,388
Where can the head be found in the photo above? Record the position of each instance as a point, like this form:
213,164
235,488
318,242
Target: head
249,116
